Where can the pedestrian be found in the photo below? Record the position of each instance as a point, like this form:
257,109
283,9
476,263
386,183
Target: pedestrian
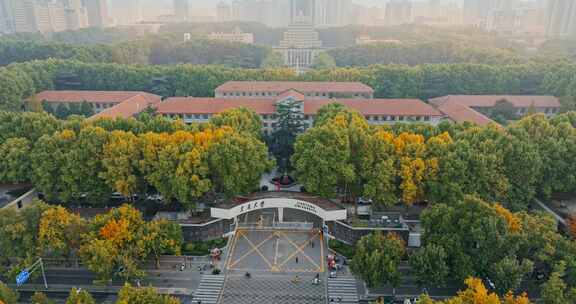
296,260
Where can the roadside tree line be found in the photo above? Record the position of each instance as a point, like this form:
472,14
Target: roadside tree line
76,160
412,163
127,295
477,239
114,244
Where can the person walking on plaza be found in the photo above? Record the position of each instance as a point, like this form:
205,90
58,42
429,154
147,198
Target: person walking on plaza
296,260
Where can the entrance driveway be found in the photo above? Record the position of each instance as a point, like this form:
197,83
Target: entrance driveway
277,251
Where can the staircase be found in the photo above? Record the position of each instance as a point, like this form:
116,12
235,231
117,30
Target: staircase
209,290
342,290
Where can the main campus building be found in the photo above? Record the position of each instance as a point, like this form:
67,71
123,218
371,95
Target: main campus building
263,97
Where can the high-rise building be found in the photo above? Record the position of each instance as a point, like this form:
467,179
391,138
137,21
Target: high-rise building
477,12
97,13
23,12
300,9
399,12
6,17
126,11
182,10
561,18
224,12
330,13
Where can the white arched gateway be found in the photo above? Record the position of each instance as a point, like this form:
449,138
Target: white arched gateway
325,211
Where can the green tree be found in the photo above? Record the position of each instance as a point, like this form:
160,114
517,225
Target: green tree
79,296
7,295
19,237
237,163
40,298
328,112
429,265
83,162
554,290
162,237
48,160
289,124
146,295
323,61
377,259
62,111
474,234
241,120
508,273
328,157
15,162
120,158
503,111
85,109
273,60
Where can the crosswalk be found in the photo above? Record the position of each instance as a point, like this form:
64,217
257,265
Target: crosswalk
342,290
209,290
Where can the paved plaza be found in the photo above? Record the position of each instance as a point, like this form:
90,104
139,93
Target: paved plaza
277,251
282,266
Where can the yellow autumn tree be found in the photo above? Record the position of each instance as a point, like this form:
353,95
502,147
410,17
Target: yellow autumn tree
60,232
477,293
513,221
572,225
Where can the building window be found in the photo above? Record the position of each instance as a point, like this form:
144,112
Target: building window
400,118
205,116
426,118
392,118
265,125
274,125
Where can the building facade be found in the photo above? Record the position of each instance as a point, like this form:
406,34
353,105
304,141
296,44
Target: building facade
6,17
476,108
300,44
182,10
97,13
561,18
42,16
103,103
399,12
333,13
236,36
264,97
309,90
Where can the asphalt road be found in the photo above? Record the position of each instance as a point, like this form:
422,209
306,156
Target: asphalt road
61,280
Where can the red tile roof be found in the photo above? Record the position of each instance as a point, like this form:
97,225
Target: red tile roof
519,101
305,87
129,107
91,96
458,112
193,105
395,107
292,93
